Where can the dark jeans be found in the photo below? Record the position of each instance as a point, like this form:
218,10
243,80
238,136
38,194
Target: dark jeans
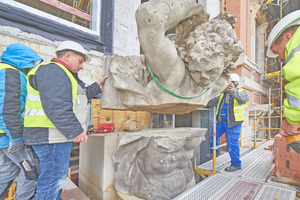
54,164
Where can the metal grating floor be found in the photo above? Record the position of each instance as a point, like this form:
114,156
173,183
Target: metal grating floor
266,144
207,188
261,169
268,192
240,189
224,187
222,161
250,183
248,160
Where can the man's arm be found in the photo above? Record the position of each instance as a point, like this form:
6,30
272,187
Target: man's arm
291,125
55,90
241,97
292,103
288,129
213,102
94,89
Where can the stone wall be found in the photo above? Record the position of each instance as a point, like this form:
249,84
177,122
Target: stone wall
46,49
126,40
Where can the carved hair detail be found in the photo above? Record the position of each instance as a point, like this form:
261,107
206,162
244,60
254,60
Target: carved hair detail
213,38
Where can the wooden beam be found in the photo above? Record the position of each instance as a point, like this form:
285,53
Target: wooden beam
68,9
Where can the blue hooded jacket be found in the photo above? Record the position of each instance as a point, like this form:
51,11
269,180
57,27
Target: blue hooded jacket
13,90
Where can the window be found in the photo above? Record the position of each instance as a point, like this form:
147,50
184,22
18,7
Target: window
80,14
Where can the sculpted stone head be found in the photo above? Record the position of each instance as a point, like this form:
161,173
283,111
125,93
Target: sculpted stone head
211,48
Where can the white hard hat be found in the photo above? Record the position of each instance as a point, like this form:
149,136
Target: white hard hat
234,77
286,22
74,47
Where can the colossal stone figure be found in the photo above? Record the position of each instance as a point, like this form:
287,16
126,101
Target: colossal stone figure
195,62
156,164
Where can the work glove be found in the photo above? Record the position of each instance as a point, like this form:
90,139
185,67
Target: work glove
15,146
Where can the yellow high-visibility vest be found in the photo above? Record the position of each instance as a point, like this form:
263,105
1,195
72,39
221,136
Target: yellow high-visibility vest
7,66
34,115
238,109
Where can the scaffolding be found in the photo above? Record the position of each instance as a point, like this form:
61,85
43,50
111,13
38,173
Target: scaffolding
273,69
86,7
211,167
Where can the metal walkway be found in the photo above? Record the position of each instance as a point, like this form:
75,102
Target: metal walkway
251,183
222,161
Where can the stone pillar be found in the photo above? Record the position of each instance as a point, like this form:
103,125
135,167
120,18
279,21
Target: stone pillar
96,172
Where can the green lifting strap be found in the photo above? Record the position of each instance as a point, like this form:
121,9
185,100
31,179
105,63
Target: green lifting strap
168,91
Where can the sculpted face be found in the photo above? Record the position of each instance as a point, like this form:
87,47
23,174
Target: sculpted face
206,73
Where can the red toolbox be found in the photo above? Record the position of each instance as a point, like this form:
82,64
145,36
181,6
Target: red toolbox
106,128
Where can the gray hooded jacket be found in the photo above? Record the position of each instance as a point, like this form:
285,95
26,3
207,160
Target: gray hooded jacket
241,97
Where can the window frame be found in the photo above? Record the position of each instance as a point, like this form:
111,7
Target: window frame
31,20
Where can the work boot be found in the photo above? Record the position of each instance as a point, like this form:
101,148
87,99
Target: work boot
232,168
210,155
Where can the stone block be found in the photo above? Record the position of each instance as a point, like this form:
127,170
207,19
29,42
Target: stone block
95,161
47,50
94,192
35,47
156,163
71,191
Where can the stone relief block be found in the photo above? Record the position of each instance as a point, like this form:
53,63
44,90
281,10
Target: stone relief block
155,164
193,65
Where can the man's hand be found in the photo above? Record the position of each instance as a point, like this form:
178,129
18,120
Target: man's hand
82,137
287,129
16,146
230,87
101,80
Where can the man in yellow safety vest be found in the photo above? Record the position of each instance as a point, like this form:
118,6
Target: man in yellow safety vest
231,107
16,159
284,43
52,121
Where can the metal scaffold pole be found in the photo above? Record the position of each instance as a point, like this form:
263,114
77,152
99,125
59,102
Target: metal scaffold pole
214,143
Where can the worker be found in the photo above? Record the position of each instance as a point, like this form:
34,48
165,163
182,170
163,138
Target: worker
15,158
231,107
51,121
284,43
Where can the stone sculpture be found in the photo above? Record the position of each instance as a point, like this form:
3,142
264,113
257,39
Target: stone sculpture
196,61
156,164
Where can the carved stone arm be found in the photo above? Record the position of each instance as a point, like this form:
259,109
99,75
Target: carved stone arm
154,18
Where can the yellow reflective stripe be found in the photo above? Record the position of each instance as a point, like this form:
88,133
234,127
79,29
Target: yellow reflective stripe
7,66
38,121
239,114
293,101
2,131
34,112
33,97
220,98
